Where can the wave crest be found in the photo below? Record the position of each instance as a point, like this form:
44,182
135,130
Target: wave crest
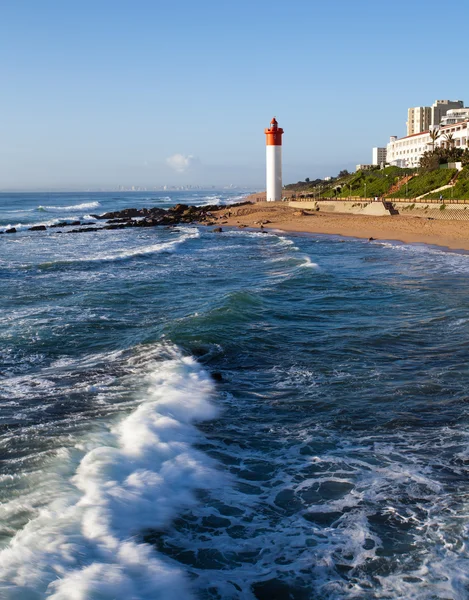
144,472
82,206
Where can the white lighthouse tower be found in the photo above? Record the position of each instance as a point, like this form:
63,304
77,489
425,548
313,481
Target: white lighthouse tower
274,161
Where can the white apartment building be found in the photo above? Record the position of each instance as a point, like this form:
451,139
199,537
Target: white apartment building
407,151
455,115
379,156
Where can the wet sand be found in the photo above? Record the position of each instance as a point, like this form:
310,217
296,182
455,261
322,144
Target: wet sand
278,215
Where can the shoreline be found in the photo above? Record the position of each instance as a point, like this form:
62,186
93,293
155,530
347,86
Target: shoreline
452,235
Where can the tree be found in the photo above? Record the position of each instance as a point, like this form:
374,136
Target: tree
434,135
465,158
343,173
449,139
429,161
307,180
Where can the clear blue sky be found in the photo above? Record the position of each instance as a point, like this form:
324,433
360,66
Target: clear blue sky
101,93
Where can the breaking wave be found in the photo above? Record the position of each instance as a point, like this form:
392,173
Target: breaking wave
139,474
82,206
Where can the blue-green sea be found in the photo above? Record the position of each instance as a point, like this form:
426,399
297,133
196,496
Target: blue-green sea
244,415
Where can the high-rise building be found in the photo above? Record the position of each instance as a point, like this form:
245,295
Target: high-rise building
422,118
418,119
379,156
439,109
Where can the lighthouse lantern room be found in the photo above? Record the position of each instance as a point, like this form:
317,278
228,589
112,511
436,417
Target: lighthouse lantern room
274,161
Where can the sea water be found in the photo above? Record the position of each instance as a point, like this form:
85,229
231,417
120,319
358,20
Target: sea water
327,458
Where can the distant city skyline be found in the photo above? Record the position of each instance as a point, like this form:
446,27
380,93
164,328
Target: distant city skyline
97,95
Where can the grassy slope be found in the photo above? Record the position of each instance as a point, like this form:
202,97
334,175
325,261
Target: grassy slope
460,191
379,182
424,183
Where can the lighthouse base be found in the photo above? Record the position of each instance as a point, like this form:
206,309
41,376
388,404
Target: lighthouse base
274,173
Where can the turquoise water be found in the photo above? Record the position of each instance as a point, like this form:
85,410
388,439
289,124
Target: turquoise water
327,458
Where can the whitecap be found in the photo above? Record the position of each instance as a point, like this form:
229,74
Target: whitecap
138,475
308,263
82,206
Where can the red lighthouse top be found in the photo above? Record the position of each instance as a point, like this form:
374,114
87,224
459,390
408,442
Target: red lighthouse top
273,134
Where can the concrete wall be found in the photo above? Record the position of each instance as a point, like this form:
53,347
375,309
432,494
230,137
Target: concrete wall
344,207
451,212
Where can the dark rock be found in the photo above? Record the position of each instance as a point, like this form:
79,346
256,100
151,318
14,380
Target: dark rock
179,208
61,224
11,230
217,230
115,226
217,376
83,229
120,214
38,228
371,239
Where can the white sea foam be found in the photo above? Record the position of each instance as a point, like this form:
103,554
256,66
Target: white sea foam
142,250
137,476
82,206
126,253
308,263
208,200
25,226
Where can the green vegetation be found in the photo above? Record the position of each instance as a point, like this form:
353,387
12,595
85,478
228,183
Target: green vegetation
394,182
460,191
366,183
377,181
424,183
431,160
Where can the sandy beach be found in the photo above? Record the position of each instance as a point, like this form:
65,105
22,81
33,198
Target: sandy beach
278,215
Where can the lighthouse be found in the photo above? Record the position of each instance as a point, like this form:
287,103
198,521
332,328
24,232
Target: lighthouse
273,142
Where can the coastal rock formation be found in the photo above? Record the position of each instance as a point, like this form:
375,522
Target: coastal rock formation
144,217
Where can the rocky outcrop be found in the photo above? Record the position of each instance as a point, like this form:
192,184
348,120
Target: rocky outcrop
145,217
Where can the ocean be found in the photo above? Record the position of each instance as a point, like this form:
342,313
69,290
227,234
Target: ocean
244,415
